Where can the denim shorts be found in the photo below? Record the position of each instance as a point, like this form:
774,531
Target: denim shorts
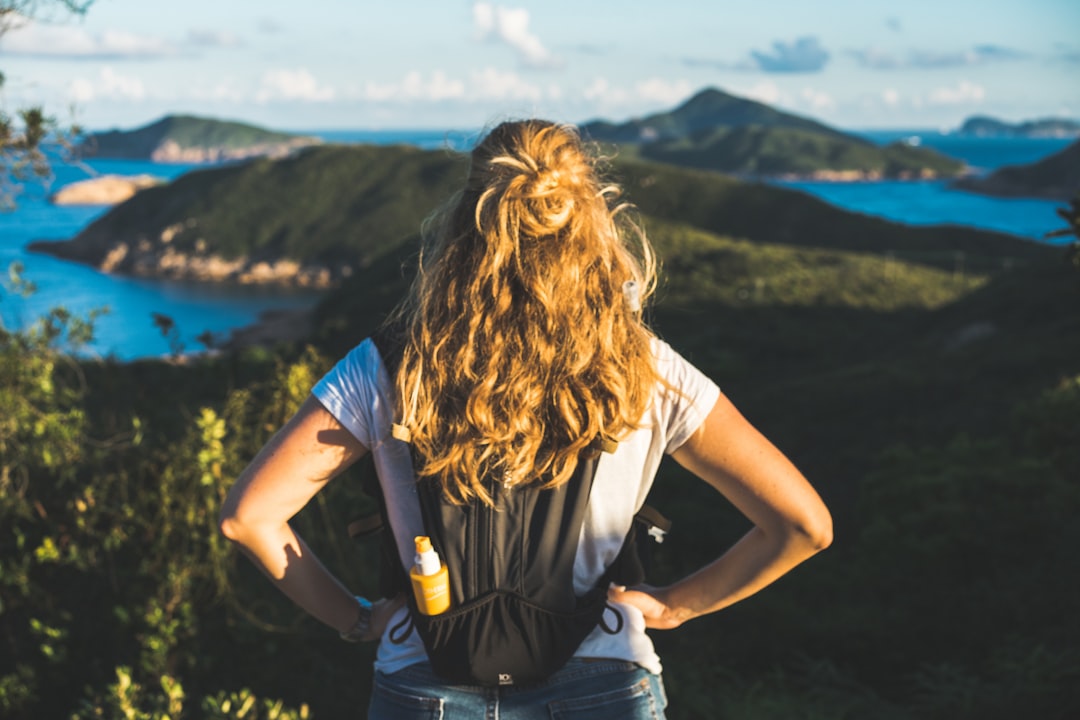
594,689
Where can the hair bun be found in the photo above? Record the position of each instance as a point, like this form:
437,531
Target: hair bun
532,180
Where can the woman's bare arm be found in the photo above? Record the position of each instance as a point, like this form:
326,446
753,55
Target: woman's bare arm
296,464
791,523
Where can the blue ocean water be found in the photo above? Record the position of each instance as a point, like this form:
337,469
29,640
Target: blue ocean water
935,202
127,331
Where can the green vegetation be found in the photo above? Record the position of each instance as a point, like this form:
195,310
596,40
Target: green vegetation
707,110
756,150
26,133
349,206
717,131
983,126
927,380
1056,177
341,206
185,131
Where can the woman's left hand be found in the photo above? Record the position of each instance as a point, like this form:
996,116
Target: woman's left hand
647,599
382,611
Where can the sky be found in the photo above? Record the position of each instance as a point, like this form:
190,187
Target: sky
440,64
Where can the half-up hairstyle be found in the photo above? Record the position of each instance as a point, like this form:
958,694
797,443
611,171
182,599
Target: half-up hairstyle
522,348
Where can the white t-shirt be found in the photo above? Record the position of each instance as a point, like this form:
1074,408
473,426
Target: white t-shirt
359,393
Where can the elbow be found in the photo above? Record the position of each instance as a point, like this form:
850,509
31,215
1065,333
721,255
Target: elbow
231,527
808,534
816,531
228,527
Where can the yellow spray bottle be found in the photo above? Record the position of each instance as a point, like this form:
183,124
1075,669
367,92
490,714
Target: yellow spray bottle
430,579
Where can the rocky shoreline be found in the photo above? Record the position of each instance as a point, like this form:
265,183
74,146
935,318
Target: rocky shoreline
155,256
852,176
172,152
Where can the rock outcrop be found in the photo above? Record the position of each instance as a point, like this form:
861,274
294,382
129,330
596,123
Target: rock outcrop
103,190
148,254
172,152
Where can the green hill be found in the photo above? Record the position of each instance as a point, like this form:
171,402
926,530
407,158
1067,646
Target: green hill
984,126
772,151
1056,177
325,212
707,110
717,131
191,139
317,217
926,380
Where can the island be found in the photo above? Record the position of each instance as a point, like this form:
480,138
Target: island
1056,177
308,220
325,214
191,139
103,190
714,130
985,126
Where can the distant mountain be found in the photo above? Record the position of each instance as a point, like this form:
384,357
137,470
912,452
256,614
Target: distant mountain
186,138
708,110
983,126
717,131
1056,177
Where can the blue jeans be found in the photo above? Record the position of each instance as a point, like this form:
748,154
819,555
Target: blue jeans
594,689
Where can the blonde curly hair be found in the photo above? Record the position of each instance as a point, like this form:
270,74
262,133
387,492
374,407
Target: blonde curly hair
521,347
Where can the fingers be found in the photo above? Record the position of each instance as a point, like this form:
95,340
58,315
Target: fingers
382,611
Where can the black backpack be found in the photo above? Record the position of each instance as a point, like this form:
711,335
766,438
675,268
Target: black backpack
514,617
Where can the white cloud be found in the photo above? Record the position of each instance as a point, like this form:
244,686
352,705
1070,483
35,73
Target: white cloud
511,26
298,84
482,85
439,87
71,42
766,92
664,92
108,85
817,99
647,95
414,87
224,90
890,97
602,92
493,84
963,93
209,38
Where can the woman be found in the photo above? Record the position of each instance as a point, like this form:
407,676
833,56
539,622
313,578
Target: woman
522,344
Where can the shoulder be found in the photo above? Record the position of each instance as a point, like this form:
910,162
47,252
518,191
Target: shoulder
674,369
361,364
684,395
356,391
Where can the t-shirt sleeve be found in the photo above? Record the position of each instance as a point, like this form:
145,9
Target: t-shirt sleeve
350,393
689,400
